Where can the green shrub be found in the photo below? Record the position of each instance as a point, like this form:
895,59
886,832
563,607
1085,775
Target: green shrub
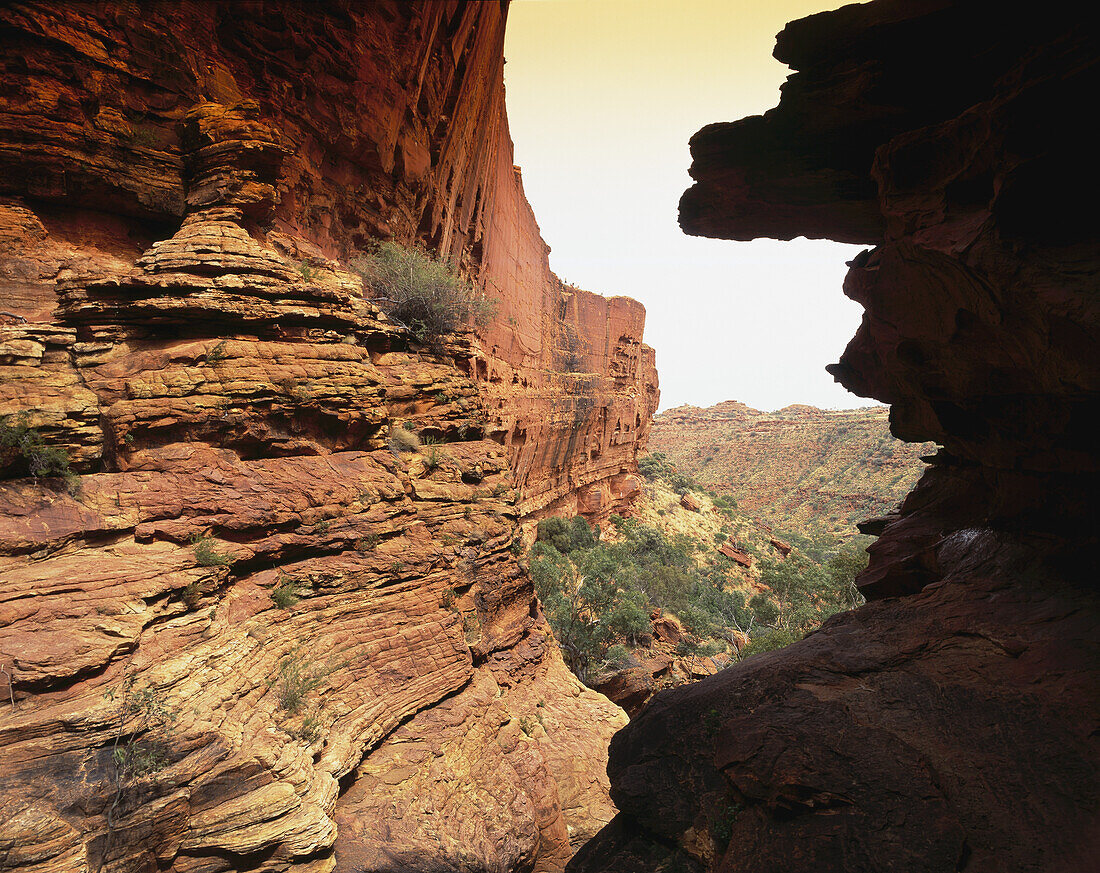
420,292
770,641
656,466
206,554
191,595
567,536
617,657
285,593
25,447
433,459
216,353
296,678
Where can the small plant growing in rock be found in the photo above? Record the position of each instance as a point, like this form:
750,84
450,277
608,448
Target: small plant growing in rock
285,593
192,595
420,292
206,554
403,440
296,679
367,543
471,628
433,459
23,445
305,270
216,353
310,728
141,743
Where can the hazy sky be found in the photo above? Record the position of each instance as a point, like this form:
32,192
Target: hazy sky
603,96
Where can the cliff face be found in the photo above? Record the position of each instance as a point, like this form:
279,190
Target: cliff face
949,723
251,631
805,470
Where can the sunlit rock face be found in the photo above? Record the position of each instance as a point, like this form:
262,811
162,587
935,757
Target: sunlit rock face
949,723
254,635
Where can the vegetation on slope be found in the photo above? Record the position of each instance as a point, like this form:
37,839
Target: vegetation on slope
604,593
812,474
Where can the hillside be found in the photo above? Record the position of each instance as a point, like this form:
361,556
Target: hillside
808,472
680,590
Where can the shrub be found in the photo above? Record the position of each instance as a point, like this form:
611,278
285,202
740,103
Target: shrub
617,657
26,446
285,593
420,292
296,679
403,440
206,554
567,536
216,353
770,641
191,595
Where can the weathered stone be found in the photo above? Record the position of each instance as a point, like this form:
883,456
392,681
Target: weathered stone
946,724
250,607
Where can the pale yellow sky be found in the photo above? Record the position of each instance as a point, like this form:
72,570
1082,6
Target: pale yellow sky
603,96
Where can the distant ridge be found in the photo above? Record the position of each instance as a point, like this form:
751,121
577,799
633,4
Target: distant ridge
809,472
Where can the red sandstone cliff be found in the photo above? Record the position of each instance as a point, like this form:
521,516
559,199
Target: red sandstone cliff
251,632
949,724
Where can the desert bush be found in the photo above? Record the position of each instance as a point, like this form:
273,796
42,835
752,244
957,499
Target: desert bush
421,292
567,535
403,440
433,459
656,466
285,593
769,641
296,678
206,554
24,446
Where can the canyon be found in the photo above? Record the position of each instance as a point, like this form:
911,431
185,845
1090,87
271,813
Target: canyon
248,631
245,630
950,723
812,472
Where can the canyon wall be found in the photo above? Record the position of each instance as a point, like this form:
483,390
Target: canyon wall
246,630
950,723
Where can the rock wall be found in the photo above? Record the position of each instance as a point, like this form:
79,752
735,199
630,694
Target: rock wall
252,634
949,724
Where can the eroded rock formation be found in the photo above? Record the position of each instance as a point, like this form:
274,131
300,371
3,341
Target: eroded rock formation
950,723
252,630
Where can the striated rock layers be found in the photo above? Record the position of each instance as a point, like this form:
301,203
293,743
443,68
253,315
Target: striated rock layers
949,724
251,634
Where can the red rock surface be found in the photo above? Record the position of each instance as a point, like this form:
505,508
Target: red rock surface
949,724
353,661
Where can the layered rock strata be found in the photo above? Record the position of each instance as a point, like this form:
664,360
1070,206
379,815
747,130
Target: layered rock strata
254,633
950,723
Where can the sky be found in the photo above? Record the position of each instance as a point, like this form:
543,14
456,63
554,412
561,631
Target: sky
603,96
